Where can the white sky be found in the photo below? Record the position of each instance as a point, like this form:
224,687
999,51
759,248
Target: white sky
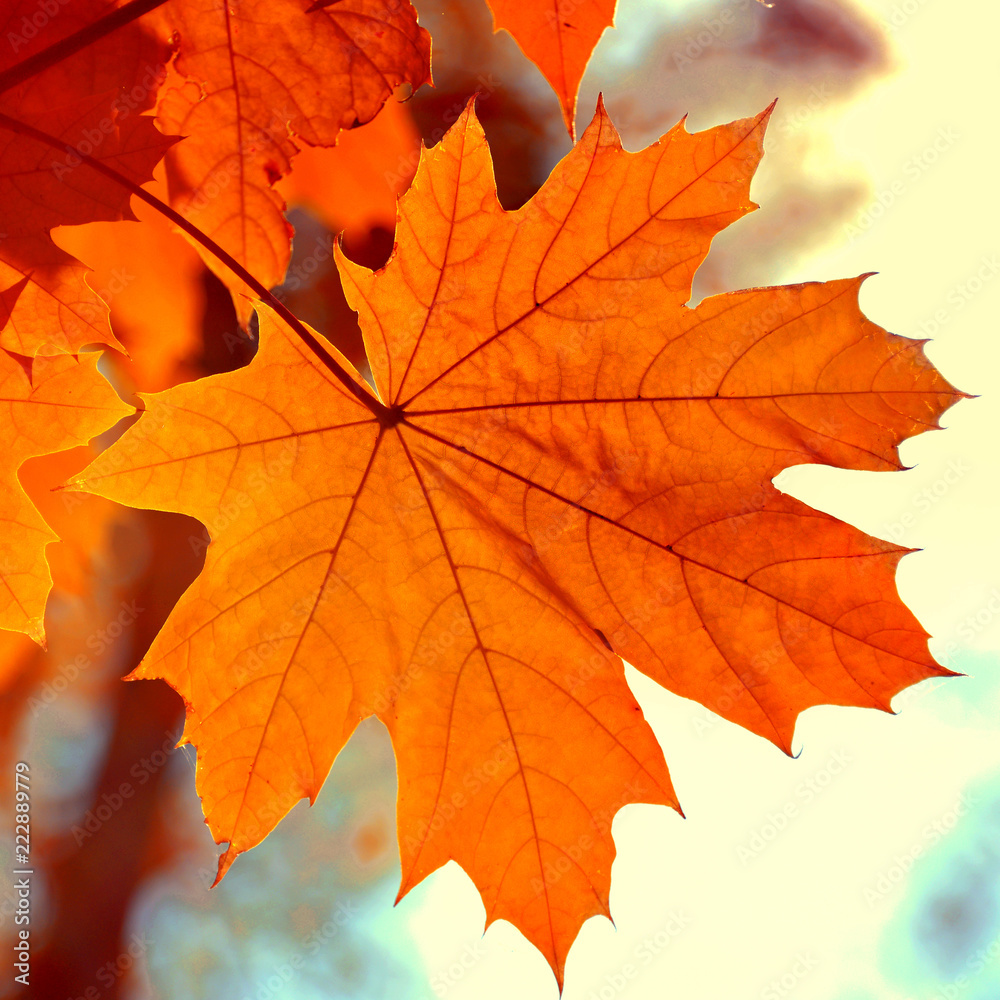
795,919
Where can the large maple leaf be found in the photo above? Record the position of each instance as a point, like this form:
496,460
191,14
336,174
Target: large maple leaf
565,462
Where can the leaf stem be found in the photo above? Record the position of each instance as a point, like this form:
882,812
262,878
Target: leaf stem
385,416
73,43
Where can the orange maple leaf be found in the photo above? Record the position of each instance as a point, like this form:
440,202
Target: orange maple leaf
91,102
48,404
558,36
564,463
258,79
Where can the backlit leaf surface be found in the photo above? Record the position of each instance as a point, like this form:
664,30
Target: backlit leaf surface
48,404
558,36
258,79
91,102
573,465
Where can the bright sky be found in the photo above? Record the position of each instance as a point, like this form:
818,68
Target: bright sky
722,905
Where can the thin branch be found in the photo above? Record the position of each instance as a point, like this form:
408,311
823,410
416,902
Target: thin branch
73,43
382,412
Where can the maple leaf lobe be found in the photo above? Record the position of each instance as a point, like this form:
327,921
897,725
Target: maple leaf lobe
49,404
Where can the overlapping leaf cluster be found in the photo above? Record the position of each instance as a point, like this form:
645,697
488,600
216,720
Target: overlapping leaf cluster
558,462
